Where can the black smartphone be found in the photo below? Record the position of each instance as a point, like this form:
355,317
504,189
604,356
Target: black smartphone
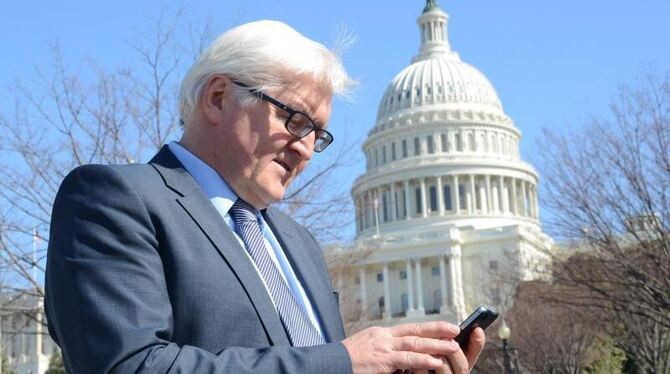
481,317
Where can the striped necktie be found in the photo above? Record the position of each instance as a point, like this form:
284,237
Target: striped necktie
300,329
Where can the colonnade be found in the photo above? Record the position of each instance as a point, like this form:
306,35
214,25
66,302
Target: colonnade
466,194
451,285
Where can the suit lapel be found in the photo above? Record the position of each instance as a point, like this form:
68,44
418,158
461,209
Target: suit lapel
208,219
306,265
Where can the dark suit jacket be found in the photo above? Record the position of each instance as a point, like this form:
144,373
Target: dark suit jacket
143,275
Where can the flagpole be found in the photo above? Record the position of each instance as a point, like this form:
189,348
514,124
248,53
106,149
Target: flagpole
35,239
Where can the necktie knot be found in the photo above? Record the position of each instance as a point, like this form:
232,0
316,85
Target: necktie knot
242,211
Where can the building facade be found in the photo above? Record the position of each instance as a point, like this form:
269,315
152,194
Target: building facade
446,203
24,339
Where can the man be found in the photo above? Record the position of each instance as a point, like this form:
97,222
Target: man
181,265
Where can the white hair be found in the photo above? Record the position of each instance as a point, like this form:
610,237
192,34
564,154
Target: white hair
261,54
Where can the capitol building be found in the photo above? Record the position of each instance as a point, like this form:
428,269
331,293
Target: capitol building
447,207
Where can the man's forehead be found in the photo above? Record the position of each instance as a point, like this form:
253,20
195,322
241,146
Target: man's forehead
308,96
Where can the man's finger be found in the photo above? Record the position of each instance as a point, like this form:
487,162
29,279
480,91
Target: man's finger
433,329
475,346
425,345
414,360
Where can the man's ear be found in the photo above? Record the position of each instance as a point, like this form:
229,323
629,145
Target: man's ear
216,95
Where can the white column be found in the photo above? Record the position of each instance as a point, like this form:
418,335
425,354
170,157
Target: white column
536,202
410,290
380,205
406,192
440,196
394,213
424,206
482,198
364,294
387,293
458,298
419,287
456,196
515,205
443,285
501,194
525,205
371,209
473,195
489,195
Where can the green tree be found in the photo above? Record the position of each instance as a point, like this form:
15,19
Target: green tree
56,364
4,365
607,357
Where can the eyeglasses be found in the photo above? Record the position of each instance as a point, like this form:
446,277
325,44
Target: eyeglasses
297,123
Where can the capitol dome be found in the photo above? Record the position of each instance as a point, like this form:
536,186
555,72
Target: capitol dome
440,80
446,202
442,150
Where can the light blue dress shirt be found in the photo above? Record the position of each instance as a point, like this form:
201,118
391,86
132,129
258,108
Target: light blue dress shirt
223,197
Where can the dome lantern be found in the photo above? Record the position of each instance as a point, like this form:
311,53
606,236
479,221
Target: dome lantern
433,30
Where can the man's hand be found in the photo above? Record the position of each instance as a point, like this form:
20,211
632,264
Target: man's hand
414,346
462,361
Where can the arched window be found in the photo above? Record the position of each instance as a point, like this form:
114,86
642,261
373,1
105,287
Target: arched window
447,197
417,147
433,199
461,196
393,151
445,144
404,148
431,146
459,143
383,154
417,194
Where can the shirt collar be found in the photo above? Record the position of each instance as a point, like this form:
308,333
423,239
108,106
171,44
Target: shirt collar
212,184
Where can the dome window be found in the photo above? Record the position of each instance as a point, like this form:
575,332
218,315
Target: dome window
433,199
445,144
459,143
404,148
393,151
431,146
417,194
447,197
417,147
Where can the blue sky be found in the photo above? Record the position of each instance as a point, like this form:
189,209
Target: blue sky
553,63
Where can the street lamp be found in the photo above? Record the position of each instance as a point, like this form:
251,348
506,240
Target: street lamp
504,333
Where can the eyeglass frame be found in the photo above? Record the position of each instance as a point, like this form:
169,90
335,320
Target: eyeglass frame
291,113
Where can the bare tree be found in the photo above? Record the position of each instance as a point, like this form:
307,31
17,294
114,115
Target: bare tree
608,190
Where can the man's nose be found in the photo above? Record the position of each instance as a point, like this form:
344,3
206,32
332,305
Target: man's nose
304,146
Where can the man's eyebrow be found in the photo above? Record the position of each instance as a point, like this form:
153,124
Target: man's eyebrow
301,108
